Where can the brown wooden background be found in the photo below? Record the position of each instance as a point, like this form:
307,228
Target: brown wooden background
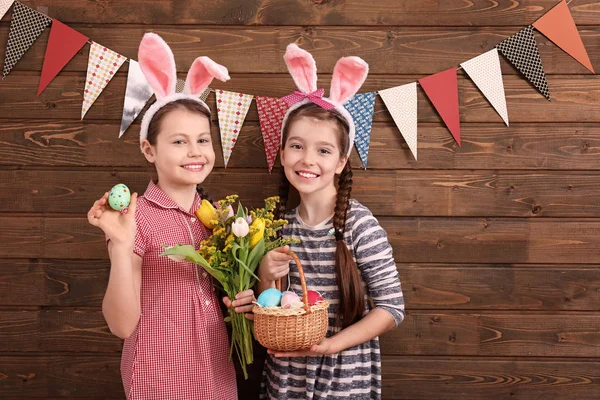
497,242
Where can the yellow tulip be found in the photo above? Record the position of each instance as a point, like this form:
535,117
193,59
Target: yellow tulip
259,226
207,214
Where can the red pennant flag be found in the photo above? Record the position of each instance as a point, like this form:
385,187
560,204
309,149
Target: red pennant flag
558,26
63,44
442,90
271,111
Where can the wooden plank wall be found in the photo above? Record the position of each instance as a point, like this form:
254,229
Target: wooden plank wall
497,242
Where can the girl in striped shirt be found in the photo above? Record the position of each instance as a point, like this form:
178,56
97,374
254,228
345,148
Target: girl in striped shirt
344,251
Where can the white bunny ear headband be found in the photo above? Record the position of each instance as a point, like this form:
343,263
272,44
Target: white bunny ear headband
349,74
158,65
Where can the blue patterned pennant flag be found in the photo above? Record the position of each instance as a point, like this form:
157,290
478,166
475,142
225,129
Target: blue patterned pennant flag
361,107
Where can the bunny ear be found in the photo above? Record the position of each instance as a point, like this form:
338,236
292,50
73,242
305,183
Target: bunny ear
302,67
158,64
201,74
349,74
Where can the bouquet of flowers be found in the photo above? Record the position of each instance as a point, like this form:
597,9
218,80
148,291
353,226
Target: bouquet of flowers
231,255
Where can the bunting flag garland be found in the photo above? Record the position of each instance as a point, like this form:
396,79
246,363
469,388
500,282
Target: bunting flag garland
401,102
271,111
231,110
25,27
485,71
361,106
137,94
442,90
103,64
521,51
63,43
558,26
4,6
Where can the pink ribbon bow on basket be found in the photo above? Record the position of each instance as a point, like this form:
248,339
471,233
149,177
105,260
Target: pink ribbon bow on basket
315,97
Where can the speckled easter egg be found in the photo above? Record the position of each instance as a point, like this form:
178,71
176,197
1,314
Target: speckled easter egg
314,297
290,300
119,197
269,298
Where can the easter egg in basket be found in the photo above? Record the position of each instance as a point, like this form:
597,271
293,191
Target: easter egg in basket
269,298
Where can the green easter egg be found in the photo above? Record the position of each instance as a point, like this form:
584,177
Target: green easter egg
119,197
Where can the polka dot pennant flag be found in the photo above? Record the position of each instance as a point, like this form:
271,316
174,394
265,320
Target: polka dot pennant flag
522,52
181,84
361,107
103,64
401,102
25,27
485,71
271,111
4,6
231,110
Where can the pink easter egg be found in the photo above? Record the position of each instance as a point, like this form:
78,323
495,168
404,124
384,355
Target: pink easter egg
288,299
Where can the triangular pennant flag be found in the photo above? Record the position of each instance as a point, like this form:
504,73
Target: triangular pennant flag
25,27
558,26
181,84
205,94
485,71
4,6
361,107
522,52
401,102
231,110
63,44
103,64
137,94
271,111
442,90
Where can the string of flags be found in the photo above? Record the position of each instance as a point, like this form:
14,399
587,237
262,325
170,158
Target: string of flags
441,88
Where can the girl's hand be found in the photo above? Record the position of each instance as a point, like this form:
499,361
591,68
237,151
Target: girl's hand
275,264
323,348
119,227
242,303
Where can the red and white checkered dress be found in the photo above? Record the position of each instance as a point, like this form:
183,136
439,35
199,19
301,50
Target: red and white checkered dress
180,348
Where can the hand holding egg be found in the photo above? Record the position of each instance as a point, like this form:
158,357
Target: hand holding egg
119,227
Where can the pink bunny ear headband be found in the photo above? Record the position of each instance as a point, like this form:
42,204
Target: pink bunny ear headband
158,65
349,74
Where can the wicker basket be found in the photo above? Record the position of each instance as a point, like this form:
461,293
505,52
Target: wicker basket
291,329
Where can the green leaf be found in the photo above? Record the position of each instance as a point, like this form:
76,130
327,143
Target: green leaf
240,211
256,255
190,255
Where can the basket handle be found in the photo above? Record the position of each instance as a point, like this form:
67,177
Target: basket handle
302,282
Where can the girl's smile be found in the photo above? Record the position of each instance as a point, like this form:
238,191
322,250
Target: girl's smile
311,156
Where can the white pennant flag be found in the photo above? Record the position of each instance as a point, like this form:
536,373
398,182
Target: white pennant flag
485,71
137,94
4,6
401,102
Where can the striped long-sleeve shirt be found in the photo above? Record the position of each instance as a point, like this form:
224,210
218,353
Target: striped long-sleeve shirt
354,373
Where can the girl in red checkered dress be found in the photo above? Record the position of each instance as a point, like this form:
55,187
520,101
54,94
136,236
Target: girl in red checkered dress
176,344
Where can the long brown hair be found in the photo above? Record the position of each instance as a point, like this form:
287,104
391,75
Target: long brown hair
351,290
181,104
